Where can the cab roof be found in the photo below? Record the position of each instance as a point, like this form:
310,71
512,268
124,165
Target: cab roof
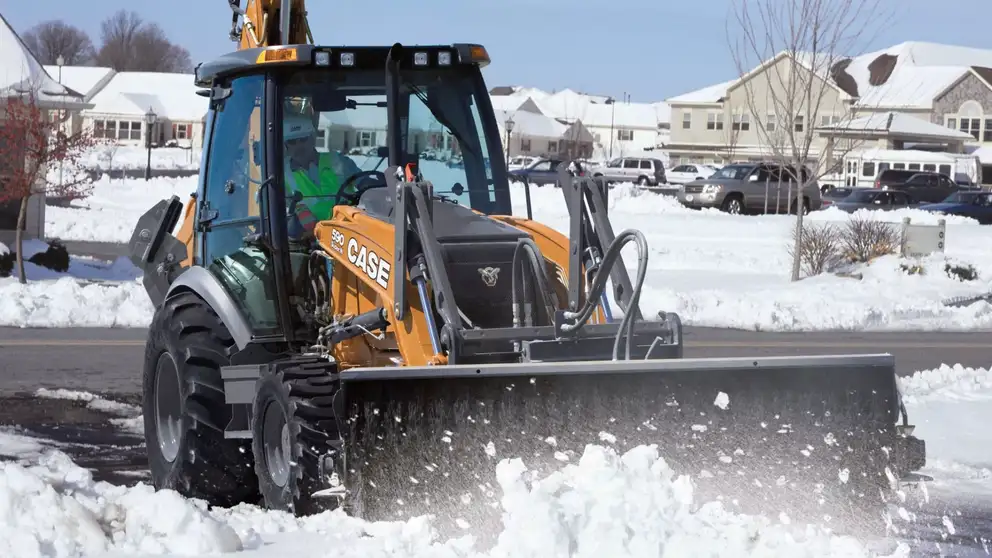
252,60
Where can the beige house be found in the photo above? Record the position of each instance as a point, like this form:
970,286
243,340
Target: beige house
941,84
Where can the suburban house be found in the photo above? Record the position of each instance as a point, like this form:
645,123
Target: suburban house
22,75
120,106
616,128
533,133
882,99
86,81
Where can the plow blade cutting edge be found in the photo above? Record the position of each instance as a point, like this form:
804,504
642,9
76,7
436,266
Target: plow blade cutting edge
813,437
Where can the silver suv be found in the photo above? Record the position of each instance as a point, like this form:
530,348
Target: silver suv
639,170
753,188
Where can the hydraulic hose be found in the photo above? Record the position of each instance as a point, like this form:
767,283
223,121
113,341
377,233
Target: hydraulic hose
582,316
536,261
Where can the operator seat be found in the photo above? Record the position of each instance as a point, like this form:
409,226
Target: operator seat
378,203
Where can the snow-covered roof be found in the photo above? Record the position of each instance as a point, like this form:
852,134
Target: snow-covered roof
921,72
172,96
710,94
507,102
896,123
531,124
984,154
908,155
81,79
21,73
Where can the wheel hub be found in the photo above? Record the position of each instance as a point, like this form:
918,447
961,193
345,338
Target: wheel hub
168,407
278,445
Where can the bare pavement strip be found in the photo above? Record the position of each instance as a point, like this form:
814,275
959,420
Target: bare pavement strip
109,360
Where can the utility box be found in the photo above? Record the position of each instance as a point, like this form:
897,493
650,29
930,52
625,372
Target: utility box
922,240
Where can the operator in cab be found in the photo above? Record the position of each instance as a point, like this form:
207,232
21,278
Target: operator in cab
312,178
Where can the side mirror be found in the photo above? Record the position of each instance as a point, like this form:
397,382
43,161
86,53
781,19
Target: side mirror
457,189
382,152
752,178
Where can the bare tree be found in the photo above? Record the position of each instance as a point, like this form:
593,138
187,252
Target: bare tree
50,39
131,44
791,53
732,134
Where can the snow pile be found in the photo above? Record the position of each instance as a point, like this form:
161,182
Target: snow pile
633,505
112,210
55,509
113,156
916,216
3,249
947,382
70,302
605,505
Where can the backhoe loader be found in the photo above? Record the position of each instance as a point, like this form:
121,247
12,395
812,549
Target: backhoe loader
383,359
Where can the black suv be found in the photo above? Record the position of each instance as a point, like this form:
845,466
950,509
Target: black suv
925,187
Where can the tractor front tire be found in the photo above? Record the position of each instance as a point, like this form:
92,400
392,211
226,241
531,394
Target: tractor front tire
185,411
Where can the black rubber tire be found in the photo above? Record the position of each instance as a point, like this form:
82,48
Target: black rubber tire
298,394
726,206
207,466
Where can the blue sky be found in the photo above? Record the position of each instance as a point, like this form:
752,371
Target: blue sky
650,49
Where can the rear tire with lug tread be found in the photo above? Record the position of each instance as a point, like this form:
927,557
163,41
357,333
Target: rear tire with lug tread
293,426
185,410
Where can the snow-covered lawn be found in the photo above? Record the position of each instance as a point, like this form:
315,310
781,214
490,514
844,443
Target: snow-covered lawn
606,504
711,268
116,157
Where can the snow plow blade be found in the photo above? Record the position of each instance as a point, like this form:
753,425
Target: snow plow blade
812,437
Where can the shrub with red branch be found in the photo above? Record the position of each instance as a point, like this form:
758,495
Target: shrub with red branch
30,144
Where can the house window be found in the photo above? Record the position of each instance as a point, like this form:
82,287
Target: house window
625,135
771,122
799,122
552,147
99,129
828,119
365,138
952,123
525,145
714,121
320,142
987,136
182,131
972,126
742,122
686,120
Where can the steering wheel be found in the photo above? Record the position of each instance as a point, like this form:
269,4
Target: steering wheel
352,198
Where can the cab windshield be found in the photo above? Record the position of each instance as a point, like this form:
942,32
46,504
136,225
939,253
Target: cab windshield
335,128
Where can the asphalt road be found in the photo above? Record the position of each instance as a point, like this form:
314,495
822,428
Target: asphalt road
109,360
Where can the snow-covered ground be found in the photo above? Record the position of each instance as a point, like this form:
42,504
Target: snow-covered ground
116,157
711,268
605,504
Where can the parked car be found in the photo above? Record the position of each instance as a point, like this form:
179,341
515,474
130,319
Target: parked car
975,204
833,194
682,174
750,187
540,172
639,170
926,187
872,199
521,162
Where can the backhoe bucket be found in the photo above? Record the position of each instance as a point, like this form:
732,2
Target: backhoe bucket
812,437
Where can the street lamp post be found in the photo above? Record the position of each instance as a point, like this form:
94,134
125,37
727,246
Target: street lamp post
509,128
150,119
60,61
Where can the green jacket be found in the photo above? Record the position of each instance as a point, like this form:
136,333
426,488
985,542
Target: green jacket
320,185
318,195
